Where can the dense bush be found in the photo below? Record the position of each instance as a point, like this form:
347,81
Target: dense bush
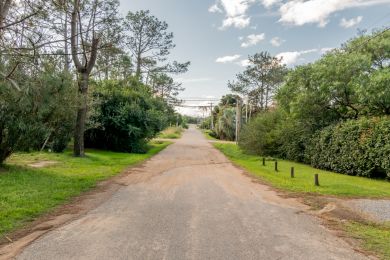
355,147
225,126
125,116
260,135
41,112
293,138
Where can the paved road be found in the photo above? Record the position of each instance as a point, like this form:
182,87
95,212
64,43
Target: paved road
189,202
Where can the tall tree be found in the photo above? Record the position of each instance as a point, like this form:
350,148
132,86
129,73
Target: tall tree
165,87
148,39
89,22
260,80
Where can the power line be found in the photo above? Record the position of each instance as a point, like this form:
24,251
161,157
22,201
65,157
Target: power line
369,39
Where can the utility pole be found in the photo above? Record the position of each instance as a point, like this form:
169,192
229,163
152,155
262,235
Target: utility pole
238,119
211,116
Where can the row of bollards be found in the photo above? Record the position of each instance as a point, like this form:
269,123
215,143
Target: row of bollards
292,173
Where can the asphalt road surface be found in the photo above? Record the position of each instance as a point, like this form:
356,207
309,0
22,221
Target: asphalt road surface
190,202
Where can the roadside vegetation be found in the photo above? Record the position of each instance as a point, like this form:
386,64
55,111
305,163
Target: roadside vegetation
333,114
209,134
330,183
98,89
173,132
374,237
34,183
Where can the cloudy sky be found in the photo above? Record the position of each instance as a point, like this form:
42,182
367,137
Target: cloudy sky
218,35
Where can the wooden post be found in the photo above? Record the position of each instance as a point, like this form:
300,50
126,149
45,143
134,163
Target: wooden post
292,172
316,180
276,166
263,161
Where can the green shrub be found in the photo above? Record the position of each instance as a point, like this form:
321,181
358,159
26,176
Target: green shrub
125,116
355,147
293,138
225,127
260,135
42,111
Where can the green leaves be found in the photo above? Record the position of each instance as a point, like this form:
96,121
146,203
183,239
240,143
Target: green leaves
125,116
355,147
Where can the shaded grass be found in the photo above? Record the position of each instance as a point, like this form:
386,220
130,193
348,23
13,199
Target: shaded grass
207,133
330,183
173,132
27,192
374,237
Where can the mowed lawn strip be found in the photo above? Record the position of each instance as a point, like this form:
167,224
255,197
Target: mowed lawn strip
330,183
28,192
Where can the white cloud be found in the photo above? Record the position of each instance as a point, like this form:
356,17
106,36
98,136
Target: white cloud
269,3
244,63
300,12
235,12
215,9
291,57
252,40
239,22
351,22
228,59
276,41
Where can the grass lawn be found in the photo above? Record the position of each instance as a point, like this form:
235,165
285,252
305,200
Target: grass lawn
375,238
173,132
28,192
330,183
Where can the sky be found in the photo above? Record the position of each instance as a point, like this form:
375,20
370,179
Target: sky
217,36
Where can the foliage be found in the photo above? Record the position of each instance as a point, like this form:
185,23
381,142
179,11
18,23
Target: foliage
330,183
37,114
355,147
147,39
260,136
165,87
30,192
172,132
225,127
326,107
126,116
260,80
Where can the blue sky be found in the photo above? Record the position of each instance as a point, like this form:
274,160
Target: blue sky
218,35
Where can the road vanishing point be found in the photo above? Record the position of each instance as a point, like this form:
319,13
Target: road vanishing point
190,202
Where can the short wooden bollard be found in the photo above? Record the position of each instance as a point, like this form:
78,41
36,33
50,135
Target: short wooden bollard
276,166
316,180
292,172
263,161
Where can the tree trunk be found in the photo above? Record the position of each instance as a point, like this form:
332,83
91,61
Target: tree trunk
66,47
78,149
138,71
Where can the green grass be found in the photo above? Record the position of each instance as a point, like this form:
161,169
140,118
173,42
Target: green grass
172,132
27,192
375,238
330,183
207,135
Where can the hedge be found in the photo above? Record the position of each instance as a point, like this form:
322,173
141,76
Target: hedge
354,147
